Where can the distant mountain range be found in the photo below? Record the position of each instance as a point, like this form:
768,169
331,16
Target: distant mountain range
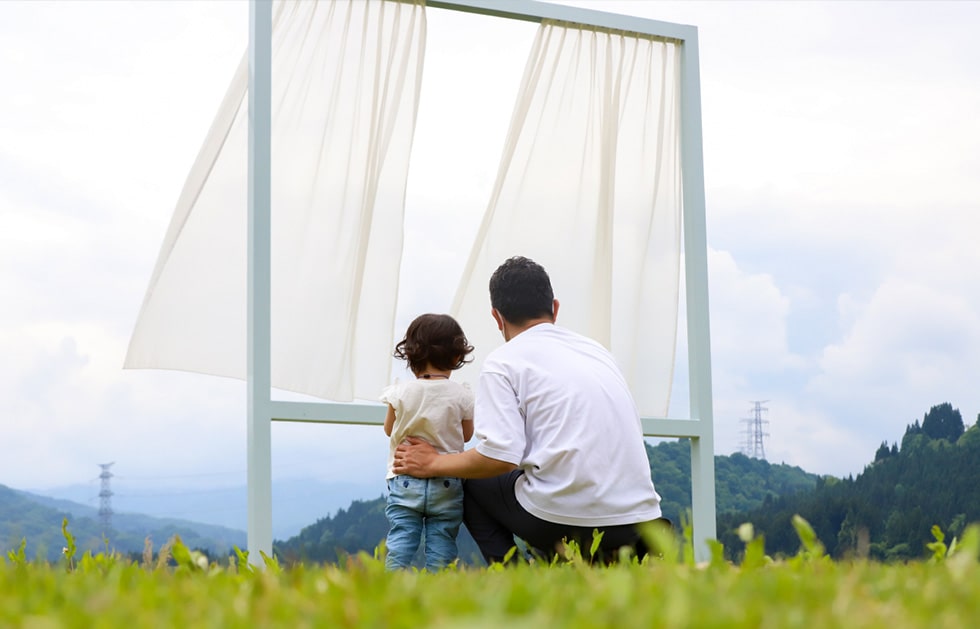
38,520
886,512
212,519
296,503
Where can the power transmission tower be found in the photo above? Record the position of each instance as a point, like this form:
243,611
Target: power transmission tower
105,499
755,431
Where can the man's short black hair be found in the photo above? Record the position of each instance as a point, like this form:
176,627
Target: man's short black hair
520,290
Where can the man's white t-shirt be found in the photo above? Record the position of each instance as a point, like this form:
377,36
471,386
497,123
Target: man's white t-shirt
555,403
429,409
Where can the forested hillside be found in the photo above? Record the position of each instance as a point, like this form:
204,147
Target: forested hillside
888,510
360,527
741,483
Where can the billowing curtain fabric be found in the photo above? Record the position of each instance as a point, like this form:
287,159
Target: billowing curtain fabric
589,186
345,87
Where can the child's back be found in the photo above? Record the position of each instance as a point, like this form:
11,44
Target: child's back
440,411
430,409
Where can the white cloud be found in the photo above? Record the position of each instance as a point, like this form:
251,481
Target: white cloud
749,315
817,441
910,347
108,97
752,361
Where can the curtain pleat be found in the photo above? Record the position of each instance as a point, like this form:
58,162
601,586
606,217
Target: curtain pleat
589,186
345,87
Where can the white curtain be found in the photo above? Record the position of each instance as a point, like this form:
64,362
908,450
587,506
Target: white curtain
589,186
345,87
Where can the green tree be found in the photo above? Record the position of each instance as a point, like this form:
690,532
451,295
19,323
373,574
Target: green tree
943,422
883,452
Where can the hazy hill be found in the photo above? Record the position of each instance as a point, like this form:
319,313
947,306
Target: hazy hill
38,520
295,502
138,522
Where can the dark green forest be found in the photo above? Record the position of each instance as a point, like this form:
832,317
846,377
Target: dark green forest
887,512
741,483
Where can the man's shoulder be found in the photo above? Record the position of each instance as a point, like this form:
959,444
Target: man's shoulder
533,338
556,334
543,342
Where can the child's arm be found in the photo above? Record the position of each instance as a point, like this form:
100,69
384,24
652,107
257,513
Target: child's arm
467,429
390,420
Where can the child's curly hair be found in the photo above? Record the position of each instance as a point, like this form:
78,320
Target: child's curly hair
434,339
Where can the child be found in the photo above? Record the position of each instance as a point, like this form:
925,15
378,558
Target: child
434,408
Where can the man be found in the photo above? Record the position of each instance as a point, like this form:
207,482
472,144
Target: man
560,446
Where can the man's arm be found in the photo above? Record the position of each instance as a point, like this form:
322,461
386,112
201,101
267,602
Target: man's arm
418,458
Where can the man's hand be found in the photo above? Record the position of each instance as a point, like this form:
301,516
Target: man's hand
415,457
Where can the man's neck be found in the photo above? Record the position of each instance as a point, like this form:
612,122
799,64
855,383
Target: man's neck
511,330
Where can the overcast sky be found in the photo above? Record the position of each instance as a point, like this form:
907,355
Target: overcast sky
842,152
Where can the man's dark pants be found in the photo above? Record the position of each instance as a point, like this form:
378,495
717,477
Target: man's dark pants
493,517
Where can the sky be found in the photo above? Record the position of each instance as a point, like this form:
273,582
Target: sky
841,161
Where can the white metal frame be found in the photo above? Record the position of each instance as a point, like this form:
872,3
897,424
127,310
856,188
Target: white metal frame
262,409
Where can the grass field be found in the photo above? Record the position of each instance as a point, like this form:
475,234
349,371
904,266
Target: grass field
808,590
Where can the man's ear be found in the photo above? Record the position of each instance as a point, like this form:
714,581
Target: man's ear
497,318
554,311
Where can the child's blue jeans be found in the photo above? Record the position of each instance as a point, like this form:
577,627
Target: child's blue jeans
432,507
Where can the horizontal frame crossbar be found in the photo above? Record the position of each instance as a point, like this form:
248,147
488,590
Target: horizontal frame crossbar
362,414
532,11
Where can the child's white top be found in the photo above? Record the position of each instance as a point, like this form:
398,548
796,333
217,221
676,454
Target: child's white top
428,409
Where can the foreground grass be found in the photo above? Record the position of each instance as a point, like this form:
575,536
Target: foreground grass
804,591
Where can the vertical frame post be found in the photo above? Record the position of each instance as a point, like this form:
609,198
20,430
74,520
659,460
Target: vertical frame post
696,283
259,288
